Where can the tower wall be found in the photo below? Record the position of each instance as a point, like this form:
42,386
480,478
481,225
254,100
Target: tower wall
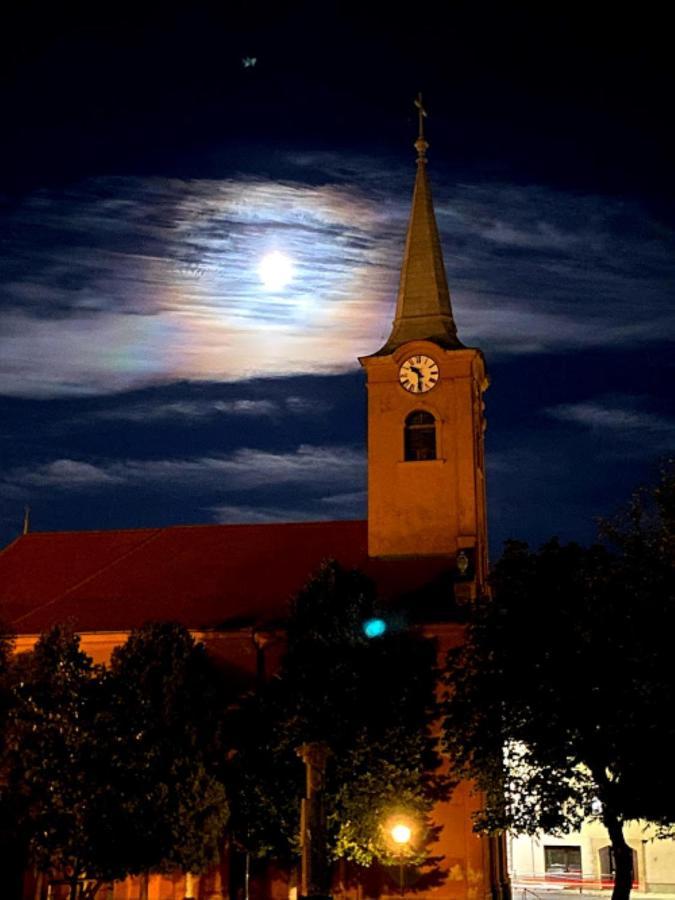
429,507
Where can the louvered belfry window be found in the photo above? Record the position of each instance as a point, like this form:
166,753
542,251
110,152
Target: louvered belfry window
420,436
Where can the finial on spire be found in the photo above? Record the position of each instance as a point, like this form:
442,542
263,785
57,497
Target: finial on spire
26,519
421,144
423,307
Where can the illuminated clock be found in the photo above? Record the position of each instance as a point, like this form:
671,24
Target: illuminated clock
418,374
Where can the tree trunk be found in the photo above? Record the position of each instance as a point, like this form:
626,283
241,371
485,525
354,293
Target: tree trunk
623,856
39,881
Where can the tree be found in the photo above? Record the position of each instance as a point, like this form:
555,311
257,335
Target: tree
12,848
53,782
562,693
643,534
164,750
371,701
115,772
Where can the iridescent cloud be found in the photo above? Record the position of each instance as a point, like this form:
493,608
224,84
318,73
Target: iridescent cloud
117,283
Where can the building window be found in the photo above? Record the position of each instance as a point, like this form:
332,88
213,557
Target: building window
420,436
562,861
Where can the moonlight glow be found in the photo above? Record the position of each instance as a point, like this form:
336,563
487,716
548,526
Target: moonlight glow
275,270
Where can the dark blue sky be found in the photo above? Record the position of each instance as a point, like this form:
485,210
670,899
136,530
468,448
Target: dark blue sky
148,376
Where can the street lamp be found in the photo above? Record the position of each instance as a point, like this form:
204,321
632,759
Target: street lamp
401,834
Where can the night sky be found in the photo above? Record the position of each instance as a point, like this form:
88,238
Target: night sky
151,157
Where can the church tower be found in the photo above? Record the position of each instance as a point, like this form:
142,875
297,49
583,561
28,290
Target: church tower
426,476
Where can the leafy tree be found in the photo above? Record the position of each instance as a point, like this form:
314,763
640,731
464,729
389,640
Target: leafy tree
643,533
371,701
13,858
52,779
164,751
111,773
562,693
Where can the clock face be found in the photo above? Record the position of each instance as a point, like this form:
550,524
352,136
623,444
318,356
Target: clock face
418,374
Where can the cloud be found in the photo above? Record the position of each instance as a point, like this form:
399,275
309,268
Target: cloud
307,468
247,469
634,430
229,514
66,473
188,409
302,406
595,415
118,283
350,505
151,411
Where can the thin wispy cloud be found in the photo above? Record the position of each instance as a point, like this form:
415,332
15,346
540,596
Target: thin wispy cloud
152,410
188,409
116,283
69,474
243,514
308,467
349,505
630,428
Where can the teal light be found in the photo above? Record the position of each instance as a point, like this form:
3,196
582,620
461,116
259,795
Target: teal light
373,628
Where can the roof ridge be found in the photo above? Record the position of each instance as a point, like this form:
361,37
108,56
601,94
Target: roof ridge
195,525
155,533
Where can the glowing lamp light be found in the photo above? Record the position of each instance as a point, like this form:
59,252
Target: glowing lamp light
275,270
401,833
373,628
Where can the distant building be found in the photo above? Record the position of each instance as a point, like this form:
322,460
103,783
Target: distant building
584,859
424,542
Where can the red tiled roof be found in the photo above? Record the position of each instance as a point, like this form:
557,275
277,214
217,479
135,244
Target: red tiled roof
205,576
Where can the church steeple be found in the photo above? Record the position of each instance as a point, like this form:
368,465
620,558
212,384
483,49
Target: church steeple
423,308
426,475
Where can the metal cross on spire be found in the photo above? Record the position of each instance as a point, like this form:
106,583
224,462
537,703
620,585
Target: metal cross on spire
421,144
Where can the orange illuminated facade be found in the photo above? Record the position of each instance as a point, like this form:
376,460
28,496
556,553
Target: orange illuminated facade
433,505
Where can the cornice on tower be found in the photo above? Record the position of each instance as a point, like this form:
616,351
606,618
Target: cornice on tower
423,307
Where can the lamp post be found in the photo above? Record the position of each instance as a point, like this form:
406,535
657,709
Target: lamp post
314,875
401,835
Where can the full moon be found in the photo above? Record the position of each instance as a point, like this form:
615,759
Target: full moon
275,270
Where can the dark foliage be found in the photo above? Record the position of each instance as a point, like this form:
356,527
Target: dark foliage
115,772
563,691
53,782
372,701
164,751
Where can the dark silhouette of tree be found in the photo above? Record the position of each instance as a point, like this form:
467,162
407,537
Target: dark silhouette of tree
115,772
371,701
163,721
13,856
563,691
52,780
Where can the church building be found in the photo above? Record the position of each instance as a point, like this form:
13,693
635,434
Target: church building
424,542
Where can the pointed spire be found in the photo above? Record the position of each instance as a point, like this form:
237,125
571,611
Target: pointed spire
423,308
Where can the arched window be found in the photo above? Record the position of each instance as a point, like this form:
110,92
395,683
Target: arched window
420,436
